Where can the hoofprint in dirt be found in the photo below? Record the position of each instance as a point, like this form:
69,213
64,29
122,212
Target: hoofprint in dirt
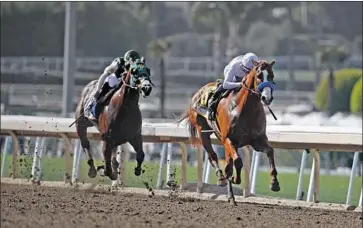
39,206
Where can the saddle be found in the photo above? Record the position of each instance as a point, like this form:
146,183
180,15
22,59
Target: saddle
222,94
209,93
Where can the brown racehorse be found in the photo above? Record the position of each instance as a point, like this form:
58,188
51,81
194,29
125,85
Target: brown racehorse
240,121
119,122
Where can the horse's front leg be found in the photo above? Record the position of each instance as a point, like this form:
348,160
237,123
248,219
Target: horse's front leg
232,158
136,143
236,161
108,149
261,144
275,185
114,161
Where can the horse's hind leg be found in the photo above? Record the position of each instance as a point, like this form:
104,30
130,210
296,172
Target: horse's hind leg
136,143
213,158
204,131
81,127
261,144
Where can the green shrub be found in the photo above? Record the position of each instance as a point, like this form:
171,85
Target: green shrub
344,80
356,98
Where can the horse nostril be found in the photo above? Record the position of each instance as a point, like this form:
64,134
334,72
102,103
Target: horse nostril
263,98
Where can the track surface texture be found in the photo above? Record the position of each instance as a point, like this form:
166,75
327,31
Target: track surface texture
36,206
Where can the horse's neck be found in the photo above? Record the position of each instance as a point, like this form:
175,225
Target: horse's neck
243,93
252,119
129,100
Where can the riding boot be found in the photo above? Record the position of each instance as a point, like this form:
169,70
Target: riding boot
212,102
99,100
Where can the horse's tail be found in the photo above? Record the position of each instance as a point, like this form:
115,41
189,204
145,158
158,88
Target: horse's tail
186,115
191,127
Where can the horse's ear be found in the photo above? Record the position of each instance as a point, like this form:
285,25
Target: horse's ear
272,63
254,62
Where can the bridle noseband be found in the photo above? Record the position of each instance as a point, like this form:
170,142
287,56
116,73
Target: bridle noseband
257,88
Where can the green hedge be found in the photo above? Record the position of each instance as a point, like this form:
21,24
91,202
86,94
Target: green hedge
344,81
356,98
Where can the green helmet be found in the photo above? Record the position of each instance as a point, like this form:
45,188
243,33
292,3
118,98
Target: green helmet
131,55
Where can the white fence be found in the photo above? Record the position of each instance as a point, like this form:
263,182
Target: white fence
286,137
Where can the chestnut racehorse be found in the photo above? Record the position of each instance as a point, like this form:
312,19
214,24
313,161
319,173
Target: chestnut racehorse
240,121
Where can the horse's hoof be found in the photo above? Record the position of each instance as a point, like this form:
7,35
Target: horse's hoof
232,201
113,177
275,187
92,173
236,180
172,184
101,169
137,171
222,182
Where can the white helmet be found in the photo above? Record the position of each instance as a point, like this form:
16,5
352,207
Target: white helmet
247,61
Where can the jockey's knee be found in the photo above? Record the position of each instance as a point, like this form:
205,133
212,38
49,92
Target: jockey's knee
112,81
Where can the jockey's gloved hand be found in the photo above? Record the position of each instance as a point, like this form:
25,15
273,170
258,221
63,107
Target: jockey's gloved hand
127,65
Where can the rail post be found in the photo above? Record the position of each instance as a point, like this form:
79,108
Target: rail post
183,184
67,155
7,145
169,157
254,172
15,153
76,159
301,175
159,183
313,191
351,179
199,168
246,171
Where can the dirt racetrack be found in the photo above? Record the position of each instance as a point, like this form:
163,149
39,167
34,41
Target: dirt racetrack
35,206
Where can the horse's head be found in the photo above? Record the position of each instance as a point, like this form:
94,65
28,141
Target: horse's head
140,78
264,77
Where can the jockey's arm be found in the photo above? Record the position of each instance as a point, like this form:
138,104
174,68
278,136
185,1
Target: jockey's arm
231,77
109,70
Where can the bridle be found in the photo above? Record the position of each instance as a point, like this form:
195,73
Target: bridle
126,80
257,88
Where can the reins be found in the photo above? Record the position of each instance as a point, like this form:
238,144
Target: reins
128,79
254,91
